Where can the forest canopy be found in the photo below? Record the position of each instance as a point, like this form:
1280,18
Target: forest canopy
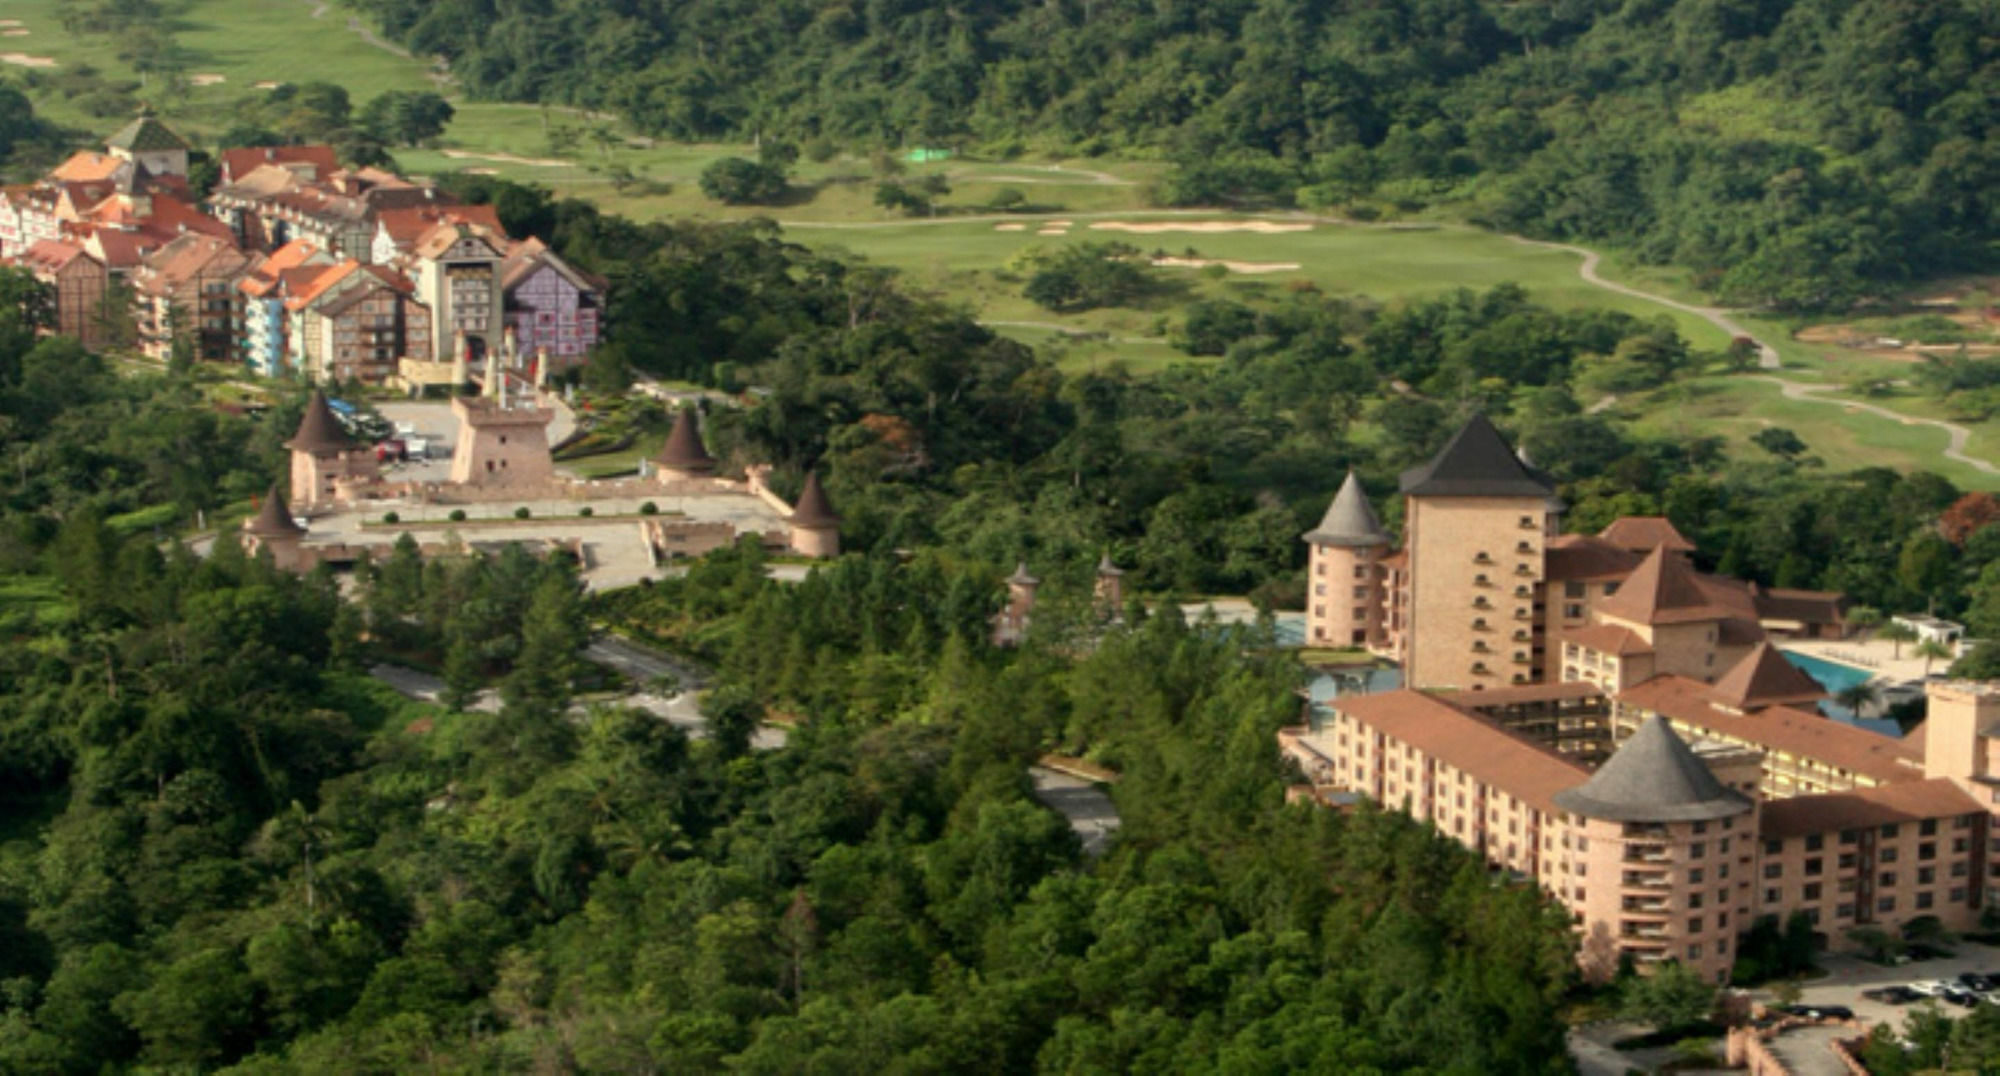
1797,153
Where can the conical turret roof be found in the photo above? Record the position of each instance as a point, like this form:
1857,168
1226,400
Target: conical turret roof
684,450
319,431
1021,578
1349,520
1477,462
1765,677
1653,777
274,520
813,509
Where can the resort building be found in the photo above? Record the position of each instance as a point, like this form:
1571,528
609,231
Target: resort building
187,290
1659,768
76,282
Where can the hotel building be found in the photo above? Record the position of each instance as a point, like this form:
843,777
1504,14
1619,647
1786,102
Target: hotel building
1655,764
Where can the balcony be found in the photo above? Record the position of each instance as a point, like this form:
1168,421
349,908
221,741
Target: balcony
1482,558
1644,905
1652,880
1523,569
1642,932
1648,853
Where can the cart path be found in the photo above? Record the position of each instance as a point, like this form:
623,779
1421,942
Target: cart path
1958,435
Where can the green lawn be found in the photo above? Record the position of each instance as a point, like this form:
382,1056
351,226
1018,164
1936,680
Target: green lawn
244,41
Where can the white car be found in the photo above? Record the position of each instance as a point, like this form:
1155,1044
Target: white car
1932,988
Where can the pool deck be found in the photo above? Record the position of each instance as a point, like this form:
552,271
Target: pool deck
1879,654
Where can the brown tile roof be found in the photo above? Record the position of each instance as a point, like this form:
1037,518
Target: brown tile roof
273,520
318,430
118,249
1509,762
1643,534
1585,556
244,160
270,273
323,278
813,509
1609,639
684,449
182,260
1803,606
439,238
51,255
1908,801
1765,678
1663,589
1778,728
407,225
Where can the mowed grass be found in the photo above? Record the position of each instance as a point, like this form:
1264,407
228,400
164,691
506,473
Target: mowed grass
965,261
1736,407
244,41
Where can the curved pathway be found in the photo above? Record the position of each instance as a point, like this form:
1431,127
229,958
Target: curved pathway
1767,356
1959,435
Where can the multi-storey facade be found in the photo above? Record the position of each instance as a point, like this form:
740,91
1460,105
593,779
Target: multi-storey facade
354,322
77,282
189,287
1670,781
554,309
457,272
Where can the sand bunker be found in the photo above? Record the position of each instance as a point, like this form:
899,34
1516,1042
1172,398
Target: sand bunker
1261,227
505,158
10,22
265,85
1232,266
1010,227
1053,231
22,59
14,33
482,171
207,80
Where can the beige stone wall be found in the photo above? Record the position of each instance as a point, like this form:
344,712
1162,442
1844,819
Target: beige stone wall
1876,876
501,448
1344,595
1469,615
1960,715
822,543
319,481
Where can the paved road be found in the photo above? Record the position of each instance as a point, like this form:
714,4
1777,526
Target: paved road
643,664
1959,435
1808,1051
1089,810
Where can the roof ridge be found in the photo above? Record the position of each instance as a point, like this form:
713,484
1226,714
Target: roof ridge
1653,777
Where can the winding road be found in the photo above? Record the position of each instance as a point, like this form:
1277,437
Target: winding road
1958,435
1767,356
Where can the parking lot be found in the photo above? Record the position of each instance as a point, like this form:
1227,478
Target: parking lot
1847,977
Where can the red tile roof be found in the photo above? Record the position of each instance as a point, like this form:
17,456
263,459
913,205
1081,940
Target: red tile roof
1587,557
237,163
51,255
1778,728
1765,678
406,226
1609,639
1643,534
1509,762
1909,801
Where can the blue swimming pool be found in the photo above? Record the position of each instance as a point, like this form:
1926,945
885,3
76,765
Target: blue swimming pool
1832,675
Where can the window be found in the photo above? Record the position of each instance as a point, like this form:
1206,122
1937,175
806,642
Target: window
1811,891
1958,895
1361,592
1887,880
1695,876
1815,842
1813,865
1694,900
1889,830
1845,911
1926,875
1694,952
1774,870
1850,836
1924,899
1886,904
1572,590
1771,896
1927,828
1572,612
1847,861
1772,848
1927,850
1888,855
1694,925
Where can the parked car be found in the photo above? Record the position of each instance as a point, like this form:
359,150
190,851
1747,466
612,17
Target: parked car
1975,982
1895,995
1963,998
1930,988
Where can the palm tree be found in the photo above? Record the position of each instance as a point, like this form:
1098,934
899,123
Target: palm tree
1930,650
1858,697
1897,633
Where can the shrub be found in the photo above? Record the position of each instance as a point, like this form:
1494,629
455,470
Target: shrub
391,517
649,509
522,512
458,515
587,511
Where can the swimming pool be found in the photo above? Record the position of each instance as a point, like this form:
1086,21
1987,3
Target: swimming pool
1832,675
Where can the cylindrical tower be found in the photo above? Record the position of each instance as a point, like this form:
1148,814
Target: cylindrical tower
1343,578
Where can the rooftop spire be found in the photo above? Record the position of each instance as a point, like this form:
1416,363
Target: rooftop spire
1349,520
274,520
813,509
683,450
318,430
1477,462
1653,777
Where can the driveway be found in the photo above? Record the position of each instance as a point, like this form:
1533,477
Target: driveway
1090,812
1848,976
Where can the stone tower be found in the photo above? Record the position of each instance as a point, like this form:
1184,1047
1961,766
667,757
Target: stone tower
324,457
1010,625
815,525
273,529
499,445
1475,524
1110,587
1344,576
684,458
